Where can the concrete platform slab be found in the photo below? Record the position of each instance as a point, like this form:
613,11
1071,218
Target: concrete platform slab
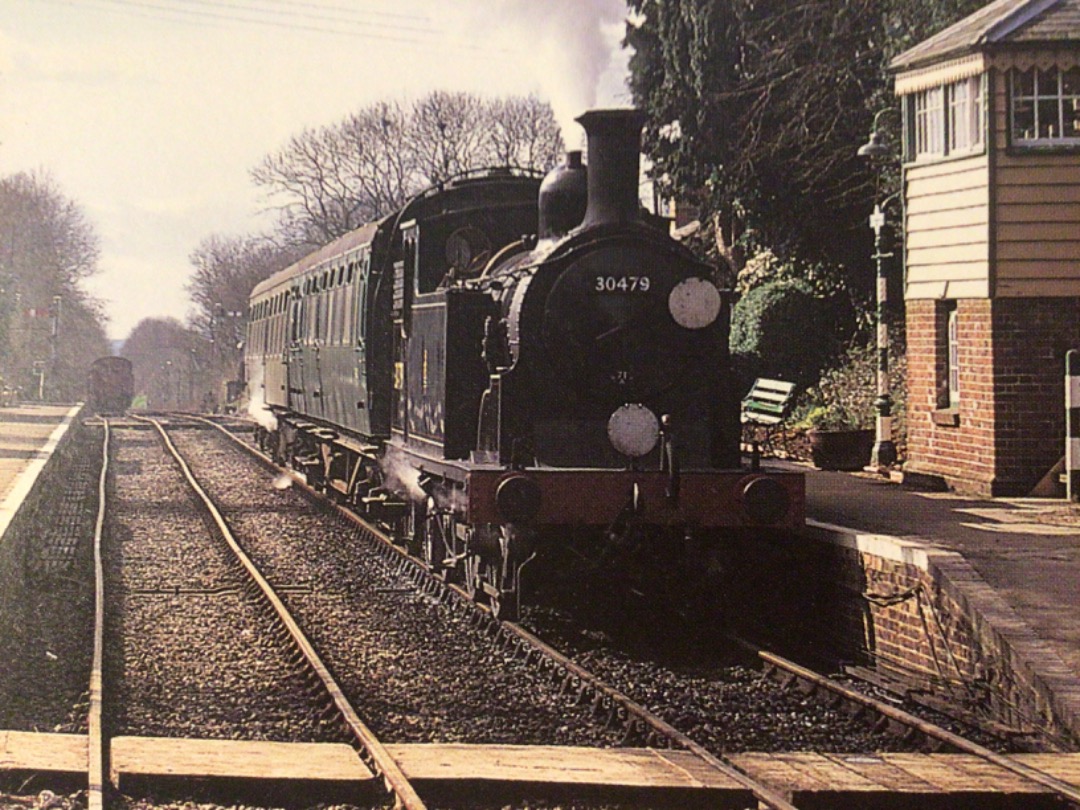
28,436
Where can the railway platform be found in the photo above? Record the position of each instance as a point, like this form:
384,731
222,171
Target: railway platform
29,435
1013,564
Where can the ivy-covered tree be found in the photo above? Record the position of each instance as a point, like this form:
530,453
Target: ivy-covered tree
757,108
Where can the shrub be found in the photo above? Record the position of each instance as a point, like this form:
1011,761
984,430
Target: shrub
780,329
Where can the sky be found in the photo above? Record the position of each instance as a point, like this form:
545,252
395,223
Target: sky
150,114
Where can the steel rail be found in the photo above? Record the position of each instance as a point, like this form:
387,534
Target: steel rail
1063,789
762,792
95,727
395,779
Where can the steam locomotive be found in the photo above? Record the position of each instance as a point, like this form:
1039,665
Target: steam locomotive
490,396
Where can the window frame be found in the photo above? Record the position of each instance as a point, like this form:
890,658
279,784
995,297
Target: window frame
937,115
952,357
1036,99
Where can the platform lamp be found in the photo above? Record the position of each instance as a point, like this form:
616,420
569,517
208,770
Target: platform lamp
884,453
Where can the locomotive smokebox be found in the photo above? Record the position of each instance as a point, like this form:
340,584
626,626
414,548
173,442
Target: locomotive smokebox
614,141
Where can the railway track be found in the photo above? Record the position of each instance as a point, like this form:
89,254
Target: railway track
372,749
652,747
609,706
641,725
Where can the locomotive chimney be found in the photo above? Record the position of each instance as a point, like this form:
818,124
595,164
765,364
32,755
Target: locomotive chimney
614,141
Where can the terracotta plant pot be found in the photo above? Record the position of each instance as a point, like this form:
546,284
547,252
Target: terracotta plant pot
840,449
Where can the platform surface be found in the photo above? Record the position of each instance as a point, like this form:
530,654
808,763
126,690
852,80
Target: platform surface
926,781
28,436
1025,552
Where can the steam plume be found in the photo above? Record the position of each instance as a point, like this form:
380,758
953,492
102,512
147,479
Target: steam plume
257,408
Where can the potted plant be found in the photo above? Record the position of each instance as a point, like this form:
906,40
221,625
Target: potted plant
840,413
839,439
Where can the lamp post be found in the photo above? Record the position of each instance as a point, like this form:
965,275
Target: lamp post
884,452
54,337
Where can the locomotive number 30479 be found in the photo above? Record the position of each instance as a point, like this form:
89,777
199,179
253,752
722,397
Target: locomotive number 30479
622,284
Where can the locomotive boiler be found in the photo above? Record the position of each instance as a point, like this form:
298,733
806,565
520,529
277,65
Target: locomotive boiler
504,366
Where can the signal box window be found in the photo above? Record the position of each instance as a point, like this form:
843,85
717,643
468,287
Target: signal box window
948,354
1045,106
946,120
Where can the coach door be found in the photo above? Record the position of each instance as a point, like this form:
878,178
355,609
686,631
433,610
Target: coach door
295,349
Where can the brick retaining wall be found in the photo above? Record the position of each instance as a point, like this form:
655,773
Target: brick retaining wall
834,596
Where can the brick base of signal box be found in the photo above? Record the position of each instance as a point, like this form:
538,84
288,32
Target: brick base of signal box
1008,427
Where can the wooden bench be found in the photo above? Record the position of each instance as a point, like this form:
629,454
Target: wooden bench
764,411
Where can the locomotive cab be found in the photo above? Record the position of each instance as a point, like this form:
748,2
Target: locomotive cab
439,374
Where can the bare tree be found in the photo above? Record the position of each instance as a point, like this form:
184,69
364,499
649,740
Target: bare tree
329,181
375,139
523,133
165,363
448,135
50,328
316,177
226,270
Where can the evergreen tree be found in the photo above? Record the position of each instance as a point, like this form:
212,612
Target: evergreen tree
757,108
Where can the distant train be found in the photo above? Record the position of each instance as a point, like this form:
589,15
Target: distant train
489,395
110,385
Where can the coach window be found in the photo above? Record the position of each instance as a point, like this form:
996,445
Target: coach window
342,313
297,317
332,311
363,281
322,317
